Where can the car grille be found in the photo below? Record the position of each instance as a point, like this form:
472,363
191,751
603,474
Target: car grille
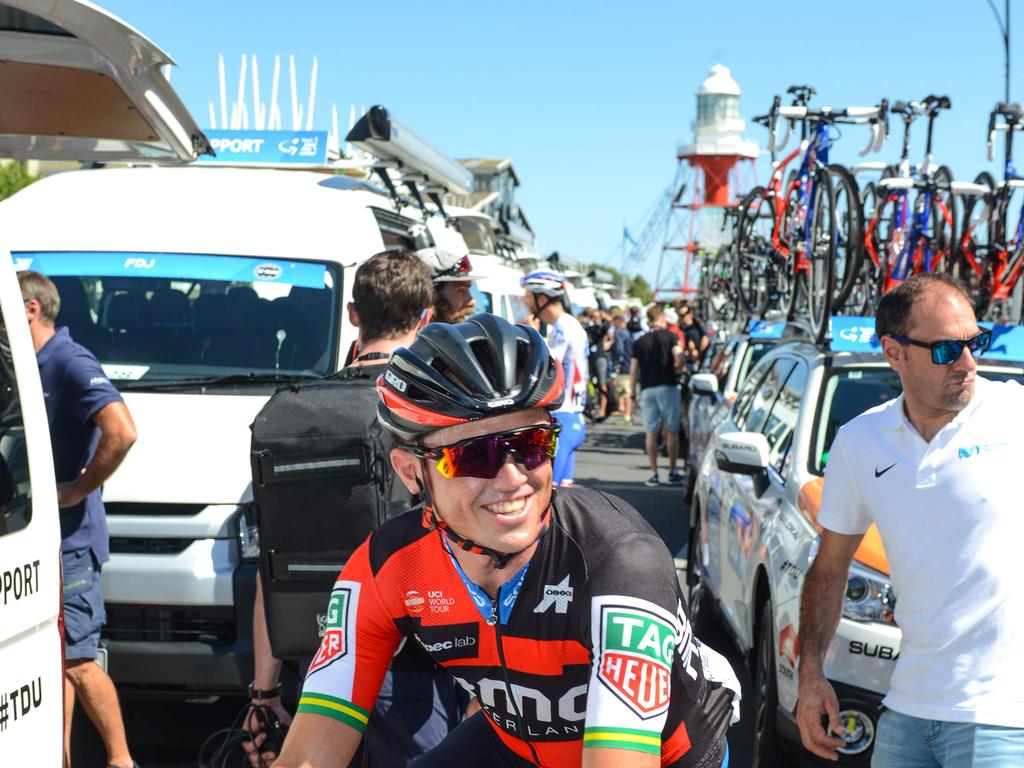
152,510
214,625
129,545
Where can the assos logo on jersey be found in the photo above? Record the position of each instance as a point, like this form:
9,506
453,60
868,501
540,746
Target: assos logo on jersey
558,595
341,612
637,649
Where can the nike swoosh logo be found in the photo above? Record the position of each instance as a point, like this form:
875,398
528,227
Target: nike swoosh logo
879,473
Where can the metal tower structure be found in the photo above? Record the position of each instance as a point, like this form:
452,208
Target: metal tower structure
713,172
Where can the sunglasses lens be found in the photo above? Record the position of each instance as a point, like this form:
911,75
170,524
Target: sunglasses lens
485,456
947,352
979,344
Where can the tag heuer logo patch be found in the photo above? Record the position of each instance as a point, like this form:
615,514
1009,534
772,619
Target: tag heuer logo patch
334,644
637,649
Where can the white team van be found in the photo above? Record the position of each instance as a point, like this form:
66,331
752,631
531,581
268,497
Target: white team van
76,83
201,290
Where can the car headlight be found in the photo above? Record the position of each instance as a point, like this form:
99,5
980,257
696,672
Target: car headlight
869,596
248,538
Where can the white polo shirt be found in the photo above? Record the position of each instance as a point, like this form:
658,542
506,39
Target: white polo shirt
951,515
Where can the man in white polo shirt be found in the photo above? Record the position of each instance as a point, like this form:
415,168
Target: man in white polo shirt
939,470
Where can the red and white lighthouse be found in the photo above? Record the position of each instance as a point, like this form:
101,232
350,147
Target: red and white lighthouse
714,171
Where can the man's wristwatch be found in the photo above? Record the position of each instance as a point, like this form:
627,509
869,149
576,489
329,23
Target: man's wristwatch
257,694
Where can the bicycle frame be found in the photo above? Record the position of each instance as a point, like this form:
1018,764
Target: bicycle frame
788,230
1006,257
911,237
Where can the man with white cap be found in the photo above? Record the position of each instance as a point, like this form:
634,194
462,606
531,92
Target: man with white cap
453,278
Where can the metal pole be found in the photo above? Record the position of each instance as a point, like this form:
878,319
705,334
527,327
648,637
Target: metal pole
1004,27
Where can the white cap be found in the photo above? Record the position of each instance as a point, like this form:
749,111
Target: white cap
447,267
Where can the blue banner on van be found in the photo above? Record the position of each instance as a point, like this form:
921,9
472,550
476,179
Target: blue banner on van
857,334
175,266
267,147
765,329
854,334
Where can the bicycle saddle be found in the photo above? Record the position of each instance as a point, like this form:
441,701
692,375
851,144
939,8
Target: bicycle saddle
933,103
1012,112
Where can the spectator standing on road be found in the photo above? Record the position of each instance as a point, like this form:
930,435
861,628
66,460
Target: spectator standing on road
933,469
635,325
598,335
419,701
568,343
91,431
621,356
453,282
657,361
696,338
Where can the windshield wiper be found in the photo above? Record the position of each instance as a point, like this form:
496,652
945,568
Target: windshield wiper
211,382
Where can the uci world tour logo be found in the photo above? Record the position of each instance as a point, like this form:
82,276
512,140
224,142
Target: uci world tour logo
334,644
637,648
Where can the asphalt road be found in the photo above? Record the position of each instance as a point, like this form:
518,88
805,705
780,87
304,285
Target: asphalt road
165,735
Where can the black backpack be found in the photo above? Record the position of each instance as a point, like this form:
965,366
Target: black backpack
321,483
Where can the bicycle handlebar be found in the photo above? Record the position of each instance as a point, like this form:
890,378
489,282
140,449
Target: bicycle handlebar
1014,115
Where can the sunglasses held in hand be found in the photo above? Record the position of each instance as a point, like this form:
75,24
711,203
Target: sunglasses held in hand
484,456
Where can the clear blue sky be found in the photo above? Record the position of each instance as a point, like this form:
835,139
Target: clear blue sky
590,99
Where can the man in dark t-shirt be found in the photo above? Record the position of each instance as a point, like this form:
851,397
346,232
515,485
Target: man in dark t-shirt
657,361
91,432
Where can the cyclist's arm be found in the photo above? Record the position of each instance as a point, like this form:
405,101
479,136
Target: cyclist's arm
316,741
633,628
345,675
617,758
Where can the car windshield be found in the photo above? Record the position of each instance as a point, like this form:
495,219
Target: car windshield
850,392
158,318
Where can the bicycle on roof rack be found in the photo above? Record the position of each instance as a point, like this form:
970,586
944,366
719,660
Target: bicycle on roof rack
901,239
791,237
991,250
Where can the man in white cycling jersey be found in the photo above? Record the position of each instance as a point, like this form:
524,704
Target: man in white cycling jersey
569,345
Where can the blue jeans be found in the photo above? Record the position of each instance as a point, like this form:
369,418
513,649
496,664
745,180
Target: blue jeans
910,742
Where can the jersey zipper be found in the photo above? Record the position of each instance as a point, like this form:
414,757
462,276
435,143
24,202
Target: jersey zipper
495,621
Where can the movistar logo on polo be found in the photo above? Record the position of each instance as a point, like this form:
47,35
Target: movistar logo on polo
637,647
450,641
558,595
967,451
340,625
394,381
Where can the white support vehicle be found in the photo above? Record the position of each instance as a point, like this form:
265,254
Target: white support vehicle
201,290
754,531
79,84
498,290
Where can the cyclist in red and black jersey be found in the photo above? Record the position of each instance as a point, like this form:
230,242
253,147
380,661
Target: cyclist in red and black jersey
563,615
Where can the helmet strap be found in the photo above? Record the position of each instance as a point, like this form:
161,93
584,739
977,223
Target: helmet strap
432,521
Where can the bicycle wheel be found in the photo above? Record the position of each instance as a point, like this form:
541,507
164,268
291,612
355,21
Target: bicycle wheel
821,252
753,251
850,236
969,266
944,222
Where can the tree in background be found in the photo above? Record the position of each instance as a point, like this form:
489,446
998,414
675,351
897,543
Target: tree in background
639,287
13,177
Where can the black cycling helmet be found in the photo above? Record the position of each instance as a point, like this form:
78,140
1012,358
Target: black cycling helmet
452,374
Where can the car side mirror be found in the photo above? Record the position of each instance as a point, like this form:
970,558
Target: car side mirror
742,453
704,384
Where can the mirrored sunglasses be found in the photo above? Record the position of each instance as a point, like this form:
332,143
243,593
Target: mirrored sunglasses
948,351
484,456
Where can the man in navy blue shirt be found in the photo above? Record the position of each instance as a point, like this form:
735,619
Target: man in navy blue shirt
91,431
